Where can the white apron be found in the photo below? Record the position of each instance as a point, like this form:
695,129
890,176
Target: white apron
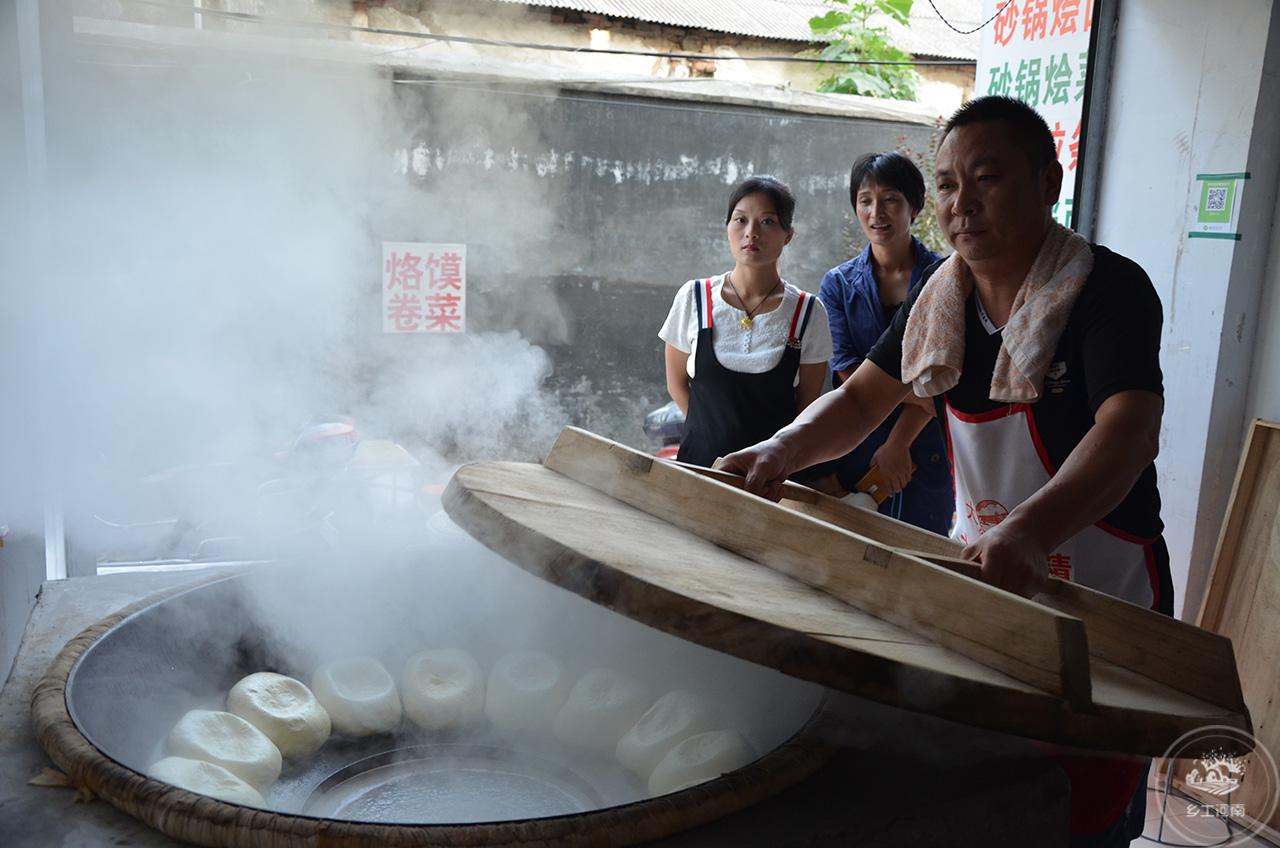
998,461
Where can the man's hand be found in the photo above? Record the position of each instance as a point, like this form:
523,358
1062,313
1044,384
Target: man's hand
829,427
764,465
1097,475
1012,559
894,462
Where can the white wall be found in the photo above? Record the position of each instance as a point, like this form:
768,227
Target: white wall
21,573
1185,100
22,557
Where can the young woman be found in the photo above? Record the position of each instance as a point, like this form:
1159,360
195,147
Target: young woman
861,296
745,350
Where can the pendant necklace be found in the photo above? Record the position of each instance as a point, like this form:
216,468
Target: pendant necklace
745,321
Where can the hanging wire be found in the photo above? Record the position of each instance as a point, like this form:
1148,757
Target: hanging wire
525,45
982,25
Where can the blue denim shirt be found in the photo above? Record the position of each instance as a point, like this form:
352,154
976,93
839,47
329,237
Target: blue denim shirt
852,298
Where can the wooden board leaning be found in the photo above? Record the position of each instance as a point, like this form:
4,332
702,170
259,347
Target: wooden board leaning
1242,603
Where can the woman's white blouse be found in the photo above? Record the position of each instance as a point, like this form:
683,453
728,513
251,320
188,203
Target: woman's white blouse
754,350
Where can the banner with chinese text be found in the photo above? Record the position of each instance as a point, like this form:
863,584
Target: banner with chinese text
1038,52
424,287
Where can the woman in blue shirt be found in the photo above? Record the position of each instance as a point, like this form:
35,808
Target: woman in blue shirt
861,296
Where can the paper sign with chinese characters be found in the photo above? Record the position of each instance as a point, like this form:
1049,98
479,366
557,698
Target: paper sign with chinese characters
424,287
1038,52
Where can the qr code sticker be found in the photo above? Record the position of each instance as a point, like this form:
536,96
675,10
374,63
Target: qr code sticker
1216,200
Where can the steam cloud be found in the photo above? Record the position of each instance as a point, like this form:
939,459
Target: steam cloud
206,279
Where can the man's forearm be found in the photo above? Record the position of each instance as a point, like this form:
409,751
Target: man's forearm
1098,474
838,421
822,431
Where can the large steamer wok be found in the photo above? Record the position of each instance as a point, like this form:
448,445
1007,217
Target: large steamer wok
110,699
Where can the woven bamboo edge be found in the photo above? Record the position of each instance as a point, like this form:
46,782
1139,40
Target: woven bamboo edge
205,821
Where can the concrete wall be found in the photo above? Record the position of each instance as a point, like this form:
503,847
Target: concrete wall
944,88
22,556
21,573
1188,97
1263,400
1264,390
637,193
638,186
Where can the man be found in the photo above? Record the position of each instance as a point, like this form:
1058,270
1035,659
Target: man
1052,422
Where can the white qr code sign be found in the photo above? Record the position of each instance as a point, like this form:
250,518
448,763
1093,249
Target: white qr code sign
1218,202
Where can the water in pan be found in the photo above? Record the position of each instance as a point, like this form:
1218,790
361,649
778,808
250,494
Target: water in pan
453,783
451,779
459,792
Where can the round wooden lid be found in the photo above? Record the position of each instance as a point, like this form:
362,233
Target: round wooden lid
699,559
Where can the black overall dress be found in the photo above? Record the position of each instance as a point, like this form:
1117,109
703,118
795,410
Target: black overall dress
731,410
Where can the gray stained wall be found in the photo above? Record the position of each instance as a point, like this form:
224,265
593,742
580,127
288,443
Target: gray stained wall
623,199
637,187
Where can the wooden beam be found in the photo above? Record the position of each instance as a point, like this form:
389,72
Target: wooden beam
864,522
1029,642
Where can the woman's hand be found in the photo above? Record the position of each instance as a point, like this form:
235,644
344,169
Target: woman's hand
894,456
894,462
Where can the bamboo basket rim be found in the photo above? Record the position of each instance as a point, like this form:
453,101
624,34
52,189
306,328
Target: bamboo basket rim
202,820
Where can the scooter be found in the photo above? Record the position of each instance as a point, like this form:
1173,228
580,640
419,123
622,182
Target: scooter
331,482
665,426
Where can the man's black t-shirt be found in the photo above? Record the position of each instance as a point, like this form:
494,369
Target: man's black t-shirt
1111,344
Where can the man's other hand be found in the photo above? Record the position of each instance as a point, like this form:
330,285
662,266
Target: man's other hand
1011,559
764,465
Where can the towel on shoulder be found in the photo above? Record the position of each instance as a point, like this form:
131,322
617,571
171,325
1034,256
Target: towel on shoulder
933,342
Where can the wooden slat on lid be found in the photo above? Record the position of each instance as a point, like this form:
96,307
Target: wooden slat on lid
1188,658
1028,642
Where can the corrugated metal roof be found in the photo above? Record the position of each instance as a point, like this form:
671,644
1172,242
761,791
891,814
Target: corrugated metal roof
929,35
788,20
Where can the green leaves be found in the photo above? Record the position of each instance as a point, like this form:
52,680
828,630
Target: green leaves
863,82
851,35
825,23
899,10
